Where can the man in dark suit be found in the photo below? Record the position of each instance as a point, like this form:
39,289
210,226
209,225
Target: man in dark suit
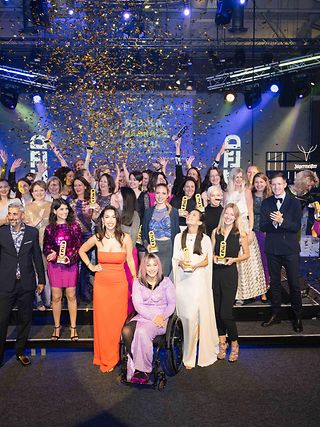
280,219
20,261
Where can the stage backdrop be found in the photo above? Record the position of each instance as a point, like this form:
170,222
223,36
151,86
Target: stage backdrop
137,127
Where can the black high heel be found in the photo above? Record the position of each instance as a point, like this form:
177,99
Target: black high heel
75,336
54,336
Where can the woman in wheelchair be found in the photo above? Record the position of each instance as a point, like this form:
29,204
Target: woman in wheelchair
153,298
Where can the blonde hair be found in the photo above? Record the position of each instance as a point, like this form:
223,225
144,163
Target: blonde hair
214,187
233,173
300,180
237,229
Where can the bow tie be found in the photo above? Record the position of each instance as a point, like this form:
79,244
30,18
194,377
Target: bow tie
279,199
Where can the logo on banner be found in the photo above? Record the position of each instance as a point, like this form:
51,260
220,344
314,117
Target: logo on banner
307,153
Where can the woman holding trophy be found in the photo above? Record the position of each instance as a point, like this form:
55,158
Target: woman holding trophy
62,240
192,272
227,239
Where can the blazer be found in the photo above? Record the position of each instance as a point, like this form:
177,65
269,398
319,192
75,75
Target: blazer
174,226
29,259
282,240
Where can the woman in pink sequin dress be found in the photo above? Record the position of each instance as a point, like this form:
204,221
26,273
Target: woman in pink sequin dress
63,275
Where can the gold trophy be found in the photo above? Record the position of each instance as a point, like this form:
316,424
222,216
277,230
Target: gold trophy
90,146
48,138
184,202
153,244
139,236
187,262
93,197
199,204
62,258
222,252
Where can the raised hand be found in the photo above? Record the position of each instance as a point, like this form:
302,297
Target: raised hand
189,161
3,156
16,164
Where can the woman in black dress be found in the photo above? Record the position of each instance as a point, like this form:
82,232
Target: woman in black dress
227,239
213,210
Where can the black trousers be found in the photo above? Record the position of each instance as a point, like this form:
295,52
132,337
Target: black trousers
24,302
225,284
291,265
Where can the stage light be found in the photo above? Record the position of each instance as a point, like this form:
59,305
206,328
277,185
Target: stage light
230,97
224,12
37,99
126,15
178,82
9,98
274,88
242,2
287,93
70,12
302,86
252,96
186,11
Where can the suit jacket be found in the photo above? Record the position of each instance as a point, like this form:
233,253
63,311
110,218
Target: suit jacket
174,225
29,259
282,240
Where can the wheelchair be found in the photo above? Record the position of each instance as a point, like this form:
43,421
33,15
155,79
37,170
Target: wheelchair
167,354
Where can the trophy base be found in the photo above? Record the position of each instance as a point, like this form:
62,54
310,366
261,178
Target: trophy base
153,251
221,261
64,260
188,270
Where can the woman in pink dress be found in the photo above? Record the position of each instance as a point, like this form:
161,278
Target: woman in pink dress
63,274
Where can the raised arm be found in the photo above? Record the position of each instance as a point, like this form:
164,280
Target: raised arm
55,149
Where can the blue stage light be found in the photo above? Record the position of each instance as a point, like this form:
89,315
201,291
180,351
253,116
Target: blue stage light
37,99
274,88
126,15
70,12
186,11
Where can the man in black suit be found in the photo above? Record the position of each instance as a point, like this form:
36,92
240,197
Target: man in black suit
20,261
280,219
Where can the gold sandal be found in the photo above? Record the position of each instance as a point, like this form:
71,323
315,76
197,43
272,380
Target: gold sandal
223,347
234,354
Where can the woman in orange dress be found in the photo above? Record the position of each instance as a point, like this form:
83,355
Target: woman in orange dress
110,290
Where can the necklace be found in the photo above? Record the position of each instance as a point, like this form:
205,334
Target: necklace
107,236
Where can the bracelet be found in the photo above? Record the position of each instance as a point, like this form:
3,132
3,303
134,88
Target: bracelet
89,148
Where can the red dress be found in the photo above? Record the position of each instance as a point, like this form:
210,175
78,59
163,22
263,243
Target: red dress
110,305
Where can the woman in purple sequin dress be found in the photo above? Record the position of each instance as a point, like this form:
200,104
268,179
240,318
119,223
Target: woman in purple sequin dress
154,301
62,275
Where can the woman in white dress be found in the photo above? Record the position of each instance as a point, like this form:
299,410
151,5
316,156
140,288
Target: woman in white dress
192,273
252,281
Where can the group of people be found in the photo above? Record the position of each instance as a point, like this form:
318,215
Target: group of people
132,243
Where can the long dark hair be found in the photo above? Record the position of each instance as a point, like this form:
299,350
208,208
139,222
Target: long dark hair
86,191
206,182
111,183
101,229
198,181
153,181
197,244
186,179
56,205
129,205
61,173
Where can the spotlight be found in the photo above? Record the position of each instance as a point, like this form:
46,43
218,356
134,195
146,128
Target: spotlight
70,12
9,98
224,12
274,88
242,1
37,99
126,15
186,11
287,93
302,85
252,96
230,97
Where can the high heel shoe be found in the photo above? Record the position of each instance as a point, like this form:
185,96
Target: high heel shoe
54,336
75,336
223,347
234,354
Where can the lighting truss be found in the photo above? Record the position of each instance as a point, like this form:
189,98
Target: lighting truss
27,78
261,72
